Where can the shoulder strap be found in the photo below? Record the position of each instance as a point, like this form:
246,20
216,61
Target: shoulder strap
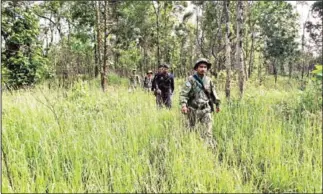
209,96
199,81
202,85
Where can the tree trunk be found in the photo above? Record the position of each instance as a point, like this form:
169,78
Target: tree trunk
183,69
239,52
290,69
275,71
227,49
104,71
145,57
259,71
282,69
251,53
51,26
157,25
303,60
303,44
98,37
199,41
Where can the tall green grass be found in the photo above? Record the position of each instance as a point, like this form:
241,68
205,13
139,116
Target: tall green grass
83,140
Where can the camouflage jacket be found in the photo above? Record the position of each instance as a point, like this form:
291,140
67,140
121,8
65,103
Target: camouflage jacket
134,79
193,95
148,82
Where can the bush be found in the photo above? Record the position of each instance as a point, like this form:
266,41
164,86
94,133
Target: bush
115,79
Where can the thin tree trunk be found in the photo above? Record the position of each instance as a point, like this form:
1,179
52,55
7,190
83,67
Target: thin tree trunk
303,44
51,26
182,56
145,57
228,52
303,60
95,57
239,51
199,42
157,24
250,69
290,69
282,69
275,71
104,71
69,32
98,64
259,71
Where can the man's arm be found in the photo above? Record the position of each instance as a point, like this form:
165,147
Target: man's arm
138,79
153,82
217,99
184,96
173,84
184,93
157,83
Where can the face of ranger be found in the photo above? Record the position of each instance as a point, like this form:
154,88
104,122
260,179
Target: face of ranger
201,69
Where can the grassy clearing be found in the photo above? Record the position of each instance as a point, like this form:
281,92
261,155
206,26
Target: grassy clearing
83,140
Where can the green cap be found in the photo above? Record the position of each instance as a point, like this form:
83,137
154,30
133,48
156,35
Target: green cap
166,66
202,60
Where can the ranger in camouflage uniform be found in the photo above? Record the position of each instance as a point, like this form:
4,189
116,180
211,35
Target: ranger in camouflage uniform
197,98
148,81
134,80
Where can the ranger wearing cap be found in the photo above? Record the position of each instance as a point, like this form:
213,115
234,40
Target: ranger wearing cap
164,87
148,81
197,99
134,80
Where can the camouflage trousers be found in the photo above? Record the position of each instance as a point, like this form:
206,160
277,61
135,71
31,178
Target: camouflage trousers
147,89
201,121
132,87
164,99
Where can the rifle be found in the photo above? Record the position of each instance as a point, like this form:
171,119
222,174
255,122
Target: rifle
211,96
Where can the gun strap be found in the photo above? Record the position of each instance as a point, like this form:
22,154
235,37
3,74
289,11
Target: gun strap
201,82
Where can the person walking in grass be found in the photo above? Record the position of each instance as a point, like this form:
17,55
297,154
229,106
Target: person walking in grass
157,74
164,88
197,99
134,80
148,81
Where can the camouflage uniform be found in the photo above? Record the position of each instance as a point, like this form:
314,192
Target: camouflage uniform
134,80
148,81
193,96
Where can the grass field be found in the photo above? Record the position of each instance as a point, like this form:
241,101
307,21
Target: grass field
83,140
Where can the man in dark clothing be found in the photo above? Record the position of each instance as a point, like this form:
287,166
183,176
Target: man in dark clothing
157,74
164,88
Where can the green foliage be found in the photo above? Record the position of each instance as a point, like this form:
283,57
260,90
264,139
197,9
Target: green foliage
115,79
83,14
278,29
22,57
90,141
131,57
318,72
314,89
